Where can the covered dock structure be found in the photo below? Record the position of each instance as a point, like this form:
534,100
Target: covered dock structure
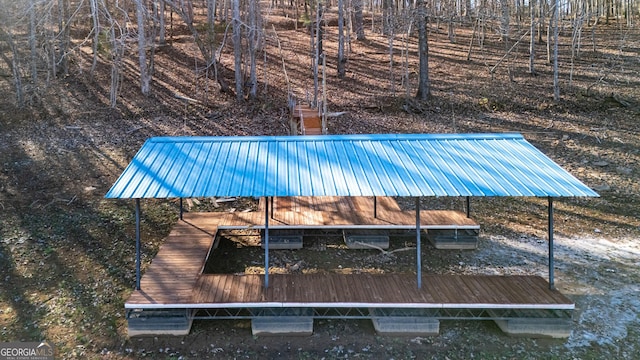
338,182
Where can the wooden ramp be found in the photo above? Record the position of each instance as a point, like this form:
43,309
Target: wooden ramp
174,271
306,121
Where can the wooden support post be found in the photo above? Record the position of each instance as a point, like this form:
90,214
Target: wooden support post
552,285
138,250
266,243
418,245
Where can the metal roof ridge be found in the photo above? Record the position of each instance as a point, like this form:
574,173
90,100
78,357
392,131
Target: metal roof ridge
346,137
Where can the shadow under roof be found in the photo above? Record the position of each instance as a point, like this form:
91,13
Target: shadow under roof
344,165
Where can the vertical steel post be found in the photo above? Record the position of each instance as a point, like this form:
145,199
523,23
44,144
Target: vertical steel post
418,245
181,209
468,206
266,243
272,207
375,207
552,285
137,244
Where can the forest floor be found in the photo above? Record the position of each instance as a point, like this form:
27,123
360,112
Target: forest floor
67,254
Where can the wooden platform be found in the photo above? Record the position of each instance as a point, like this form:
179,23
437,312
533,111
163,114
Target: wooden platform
174,271
368,290
333,213
175,280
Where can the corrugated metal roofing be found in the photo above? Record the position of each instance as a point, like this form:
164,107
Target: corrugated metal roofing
344,165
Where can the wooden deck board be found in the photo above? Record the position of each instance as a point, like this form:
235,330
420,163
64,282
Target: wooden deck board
335,289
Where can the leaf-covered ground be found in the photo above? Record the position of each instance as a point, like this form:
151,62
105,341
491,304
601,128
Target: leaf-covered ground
67,254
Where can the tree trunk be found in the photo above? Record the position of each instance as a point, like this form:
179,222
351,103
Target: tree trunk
64,34
451,32
96,34
254,39
504,26
318,54
237,50
556,82
145,74
117,52
358,21
13,64
211,13
473,34
341,59
33,43
387,16
532,39
467,9
423,52
162,33
549,37
542,10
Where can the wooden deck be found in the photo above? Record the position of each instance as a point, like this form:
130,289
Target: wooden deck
367,290
174,271
175,279
334,213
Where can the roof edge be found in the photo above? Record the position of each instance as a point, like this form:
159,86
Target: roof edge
339,137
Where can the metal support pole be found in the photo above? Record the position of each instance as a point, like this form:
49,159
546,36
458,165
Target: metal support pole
552,285
181,209
266,243
272,207
375,207
468,206
137,244
418,245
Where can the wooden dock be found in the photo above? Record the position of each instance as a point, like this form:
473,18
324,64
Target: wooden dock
175,278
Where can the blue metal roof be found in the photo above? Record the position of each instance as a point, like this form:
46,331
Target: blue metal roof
344,165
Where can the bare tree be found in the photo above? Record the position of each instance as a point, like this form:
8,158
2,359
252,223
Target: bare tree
341,58
423,52
237,49
118,35
145,69
159,10
13,63
532,38
95,18
504,25
63,36
33,42
205,42
255,38
358,21
556,82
